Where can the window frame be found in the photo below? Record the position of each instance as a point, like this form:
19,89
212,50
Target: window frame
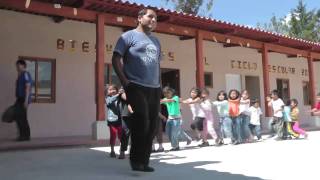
309,100
289,89
211,81
53,78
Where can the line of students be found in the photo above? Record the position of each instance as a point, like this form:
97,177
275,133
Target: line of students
230,119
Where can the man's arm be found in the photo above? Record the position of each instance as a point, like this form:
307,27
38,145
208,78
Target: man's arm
28,91
118,68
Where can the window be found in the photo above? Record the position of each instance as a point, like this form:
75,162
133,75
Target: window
283,89
233,81
110,76
208,81
306,93
43,71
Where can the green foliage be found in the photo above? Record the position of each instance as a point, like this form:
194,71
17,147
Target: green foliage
195,7
300,23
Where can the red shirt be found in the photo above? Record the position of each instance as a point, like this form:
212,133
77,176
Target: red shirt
317,106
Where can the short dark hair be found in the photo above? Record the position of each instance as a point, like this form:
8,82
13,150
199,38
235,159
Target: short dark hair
288,102
294,101
197,90
205,90
114,87
275,92
224,94
169,89
21,62
234,90
144,11
253,101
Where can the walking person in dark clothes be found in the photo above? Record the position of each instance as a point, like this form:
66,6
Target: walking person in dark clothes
139,73
23,95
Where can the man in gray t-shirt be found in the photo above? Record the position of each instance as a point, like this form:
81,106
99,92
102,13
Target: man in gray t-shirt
139,74
141,56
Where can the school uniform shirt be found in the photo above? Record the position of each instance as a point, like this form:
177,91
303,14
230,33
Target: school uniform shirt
196,110
244,107
222,108
255,114
295,114
286,114
276,106
234,108
113,110
173,107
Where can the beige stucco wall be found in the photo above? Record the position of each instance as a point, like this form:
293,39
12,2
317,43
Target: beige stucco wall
30,35
74,111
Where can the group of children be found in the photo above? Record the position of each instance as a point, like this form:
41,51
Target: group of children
230,119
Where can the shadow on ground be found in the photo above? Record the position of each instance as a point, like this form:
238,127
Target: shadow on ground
87,164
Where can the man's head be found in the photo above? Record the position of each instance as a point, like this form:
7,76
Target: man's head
147,19
21,65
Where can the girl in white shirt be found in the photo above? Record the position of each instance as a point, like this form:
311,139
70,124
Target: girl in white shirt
197,113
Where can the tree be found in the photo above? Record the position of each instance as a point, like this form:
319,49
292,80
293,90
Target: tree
195,7
300,23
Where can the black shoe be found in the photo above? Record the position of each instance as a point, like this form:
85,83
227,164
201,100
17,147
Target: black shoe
140,167
204,144
175,149
148,169
20,139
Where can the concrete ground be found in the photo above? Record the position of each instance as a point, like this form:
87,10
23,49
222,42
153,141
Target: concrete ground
270,159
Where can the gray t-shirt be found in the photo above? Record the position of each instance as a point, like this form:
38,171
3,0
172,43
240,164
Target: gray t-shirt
141,58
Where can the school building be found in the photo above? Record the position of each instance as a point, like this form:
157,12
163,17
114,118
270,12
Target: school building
68,46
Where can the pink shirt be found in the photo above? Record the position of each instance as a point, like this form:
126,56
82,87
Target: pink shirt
317,106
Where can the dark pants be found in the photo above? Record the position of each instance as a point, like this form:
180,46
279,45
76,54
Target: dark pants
125,133
255,130
145,103
21,119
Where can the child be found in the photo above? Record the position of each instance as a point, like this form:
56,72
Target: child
277,105
197,113
245,116
126,112
255,116
113,116
316,110
208,126
225,124
234,103
288,121
174,122
295,118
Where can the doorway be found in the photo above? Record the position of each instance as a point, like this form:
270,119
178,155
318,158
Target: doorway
253,86
171,78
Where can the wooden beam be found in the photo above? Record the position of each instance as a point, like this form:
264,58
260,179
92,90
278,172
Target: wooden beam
125,21
311,80
199,60
100,55
226,45
266,77
183,38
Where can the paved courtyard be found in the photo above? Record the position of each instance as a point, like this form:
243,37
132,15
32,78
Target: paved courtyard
270,159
